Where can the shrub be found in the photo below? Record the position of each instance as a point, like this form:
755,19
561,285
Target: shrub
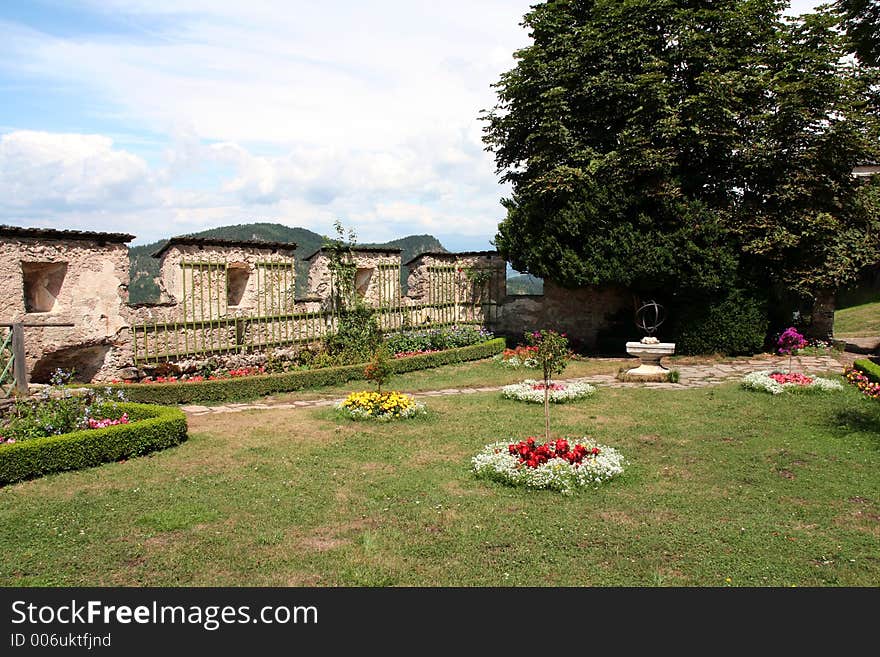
55,411
736,323
251,387
150,428
357,335
379,369
434,339
869,368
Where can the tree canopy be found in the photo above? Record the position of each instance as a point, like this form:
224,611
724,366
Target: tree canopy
672,143
862,24
810,221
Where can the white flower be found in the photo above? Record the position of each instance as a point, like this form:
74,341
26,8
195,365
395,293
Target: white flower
762,382
514,362
497,463
527,391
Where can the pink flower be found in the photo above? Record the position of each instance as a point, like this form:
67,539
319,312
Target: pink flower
795,378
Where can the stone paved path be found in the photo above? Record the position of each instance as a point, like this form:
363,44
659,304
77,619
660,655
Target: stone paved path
691,376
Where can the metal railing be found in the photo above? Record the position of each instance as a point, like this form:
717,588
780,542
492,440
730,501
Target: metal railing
155,342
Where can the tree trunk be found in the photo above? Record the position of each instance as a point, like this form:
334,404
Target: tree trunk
822,326
547,409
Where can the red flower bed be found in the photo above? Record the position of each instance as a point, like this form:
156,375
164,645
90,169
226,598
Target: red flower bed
531,454
795,378
552,386
417,352
194,378
522,352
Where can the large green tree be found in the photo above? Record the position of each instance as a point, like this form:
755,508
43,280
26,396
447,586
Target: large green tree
681,144
803,214
862,24
619,130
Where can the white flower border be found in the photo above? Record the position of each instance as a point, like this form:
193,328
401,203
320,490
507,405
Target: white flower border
515,363
762,382
496,462
525,392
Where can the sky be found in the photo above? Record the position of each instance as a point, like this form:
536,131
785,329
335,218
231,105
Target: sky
163,117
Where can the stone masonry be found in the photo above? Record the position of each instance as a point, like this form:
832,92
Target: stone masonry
55,276
582,314
226,296
377,276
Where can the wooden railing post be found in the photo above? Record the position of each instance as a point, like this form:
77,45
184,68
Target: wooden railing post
19,360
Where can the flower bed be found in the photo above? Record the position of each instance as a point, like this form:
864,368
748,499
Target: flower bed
418,352
533,391
219,375
777,382
382,406
521,356
564,465
148,428
251,387
430,340
860,380
57,410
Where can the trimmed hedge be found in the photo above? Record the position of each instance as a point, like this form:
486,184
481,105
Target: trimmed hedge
732,324
869,368
252,387
151,428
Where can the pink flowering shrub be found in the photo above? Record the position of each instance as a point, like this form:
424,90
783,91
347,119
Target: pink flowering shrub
107,422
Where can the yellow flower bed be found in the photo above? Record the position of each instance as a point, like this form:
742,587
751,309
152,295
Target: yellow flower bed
368,405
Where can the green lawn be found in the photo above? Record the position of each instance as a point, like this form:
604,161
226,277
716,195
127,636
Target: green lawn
475,374
724,487
858,321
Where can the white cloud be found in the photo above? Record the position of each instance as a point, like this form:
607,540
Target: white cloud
62,172
311,111
273,110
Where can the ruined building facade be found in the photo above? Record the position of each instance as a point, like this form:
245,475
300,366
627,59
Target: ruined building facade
226,296
67,277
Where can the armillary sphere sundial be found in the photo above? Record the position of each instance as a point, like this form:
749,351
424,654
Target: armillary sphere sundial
649,316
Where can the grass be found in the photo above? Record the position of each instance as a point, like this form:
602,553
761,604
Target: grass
724,487
466,375
858,321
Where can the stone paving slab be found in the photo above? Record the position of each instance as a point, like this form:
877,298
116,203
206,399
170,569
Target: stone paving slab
691,376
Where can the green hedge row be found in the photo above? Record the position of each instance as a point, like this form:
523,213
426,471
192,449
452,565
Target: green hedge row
252,387
151,428
869,368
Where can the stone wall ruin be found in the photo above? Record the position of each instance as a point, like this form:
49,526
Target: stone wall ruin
229,297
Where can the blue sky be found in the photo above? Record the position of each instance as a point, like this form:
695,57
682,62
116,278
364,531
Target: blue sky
160,117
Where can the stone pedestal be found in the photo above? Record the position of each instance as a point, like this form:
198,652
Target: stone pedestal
649,355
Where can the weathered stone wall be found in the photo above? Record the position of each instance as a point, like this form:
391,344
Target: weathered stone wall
85,282
419,280
264,280
583,313
377,278
58,281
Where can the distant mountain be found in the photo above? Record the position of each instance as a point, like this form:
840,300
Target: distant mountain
525,284
145,269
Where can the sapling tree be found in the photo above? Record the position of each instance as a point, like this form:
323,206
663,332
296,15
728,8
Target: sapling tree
789,343
379,369
552,357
